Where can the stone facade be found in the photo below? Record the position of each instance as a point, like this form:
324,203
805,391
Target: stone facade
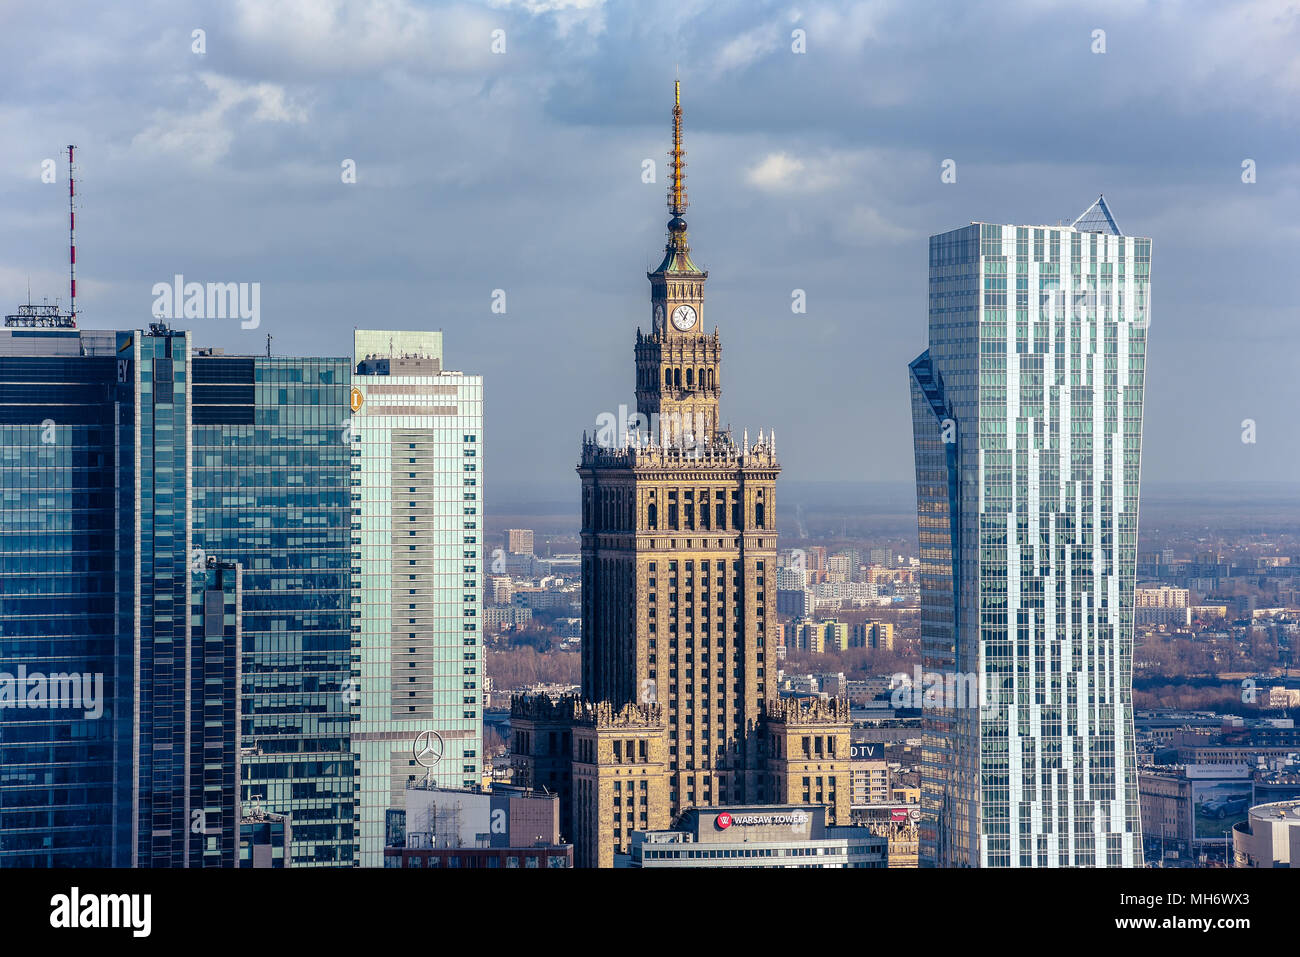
679,597
809,751
620,779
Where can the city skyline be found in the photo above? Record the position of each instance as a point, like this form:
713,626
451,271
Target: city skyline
812,184
361,509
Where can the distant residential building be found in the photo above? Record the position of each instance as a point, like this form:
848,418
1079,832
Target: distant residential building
545,598
839,591
1162,605
832,683
569,565
1280,696
904,794
839,568
794,603
815,556
873,634
867,689
503,587
1161,596
496,619
791,579
519,541
820,636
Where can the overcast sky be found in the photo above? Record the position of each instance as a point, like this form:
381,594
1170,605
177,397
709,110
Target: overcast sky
522,171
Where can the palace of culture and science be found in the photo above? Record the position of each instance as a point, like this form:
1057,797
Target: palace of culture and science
678,707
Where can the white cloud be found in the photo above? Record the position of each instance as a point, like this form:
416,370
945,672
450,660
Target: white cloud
750,46
864,225
566,13
776,171
847,212
846,30
205,135
828,170
356,36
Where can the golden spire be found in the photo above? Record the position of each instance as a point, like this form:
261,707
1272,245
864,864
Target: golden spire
677,253
677,187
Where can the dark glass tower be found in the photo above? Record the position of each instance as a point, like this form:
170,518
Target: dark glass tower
272,491
96,599
121,642
67,412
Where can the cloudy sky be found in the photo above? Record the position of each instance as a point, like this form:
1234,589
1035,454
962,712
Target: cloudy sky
522,171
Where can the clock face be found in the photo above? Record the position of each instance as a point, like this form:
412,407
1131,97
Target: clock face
659,316
684,317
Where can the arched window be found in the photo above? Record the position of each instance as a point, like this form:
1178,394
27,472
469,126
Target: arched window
652,516
758,515
668,378
677,378
710,378
690,378
700,379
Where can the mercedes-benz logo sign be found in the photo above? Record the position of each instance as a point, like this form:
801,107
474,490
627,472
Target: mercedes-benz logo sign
428,748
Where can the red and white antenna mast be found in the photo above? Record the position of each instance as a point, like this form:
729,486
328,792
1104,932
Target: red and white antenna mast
72,240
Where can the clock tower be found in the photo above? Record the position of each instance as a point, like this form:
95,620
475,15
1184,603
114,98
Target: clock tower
678,363
679,706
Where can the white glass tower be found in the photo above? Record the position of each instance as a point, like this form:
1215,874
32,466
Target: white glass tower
1027,417
417,540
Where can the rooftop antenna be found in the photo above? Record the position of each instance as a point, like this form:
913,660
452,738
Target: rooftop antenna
72,241
268,345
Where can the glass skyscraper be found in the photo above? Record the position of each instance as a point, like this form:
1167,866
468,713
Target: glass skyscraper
272,485
418,430
1027,417
67,413
99,596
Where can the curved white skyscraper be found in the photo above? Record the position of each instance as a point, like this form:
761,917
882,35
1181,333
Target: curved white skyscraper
1027,418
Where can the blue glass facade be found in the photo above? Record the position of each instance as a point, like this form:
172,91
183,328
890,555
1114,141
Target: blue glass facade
272,491
177,543
215,668
157,371
66,469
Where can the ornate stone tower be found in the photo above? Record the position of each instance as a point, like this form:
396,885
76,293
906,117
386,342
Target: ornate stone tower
678,603
678,364
679,547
